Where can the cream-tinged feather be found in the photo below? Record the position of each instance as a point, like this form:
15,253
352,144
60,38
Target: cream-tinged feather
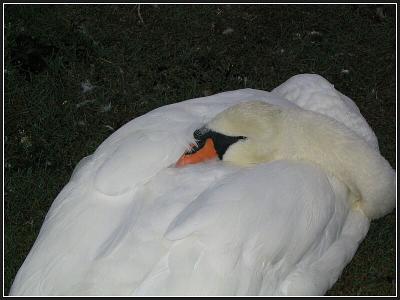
276,133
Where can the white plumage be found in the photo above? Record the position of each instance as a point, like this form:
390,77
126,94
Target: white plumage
130,223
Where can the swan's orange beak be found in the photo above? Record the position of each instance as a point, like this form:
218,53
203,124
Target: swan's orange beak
205,153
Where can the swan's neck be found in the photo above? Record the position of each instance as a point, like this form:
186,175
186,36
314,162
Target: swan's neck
308,136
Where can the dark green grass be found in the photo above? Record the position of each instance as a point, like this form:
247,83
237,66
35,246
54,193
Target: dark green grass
179,52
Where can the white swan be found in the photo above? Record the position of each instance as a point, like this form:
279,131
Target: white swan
275,216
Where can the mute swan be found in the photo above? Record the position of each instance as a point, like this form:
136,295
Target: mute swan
280,211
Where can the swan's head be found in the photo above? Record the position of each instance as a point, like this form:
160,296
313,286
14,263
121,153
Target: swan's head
242,134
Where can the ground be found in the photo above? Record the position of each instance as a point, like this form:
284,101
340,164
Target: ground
76,73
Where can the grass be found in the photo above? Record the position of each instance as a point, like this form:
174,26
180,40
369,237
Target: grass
177,53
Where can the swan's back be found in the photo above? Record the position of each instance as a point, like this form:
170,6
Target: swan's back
130,224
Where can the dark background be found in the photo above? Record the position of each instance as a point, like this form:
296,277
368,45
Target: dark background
138,58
